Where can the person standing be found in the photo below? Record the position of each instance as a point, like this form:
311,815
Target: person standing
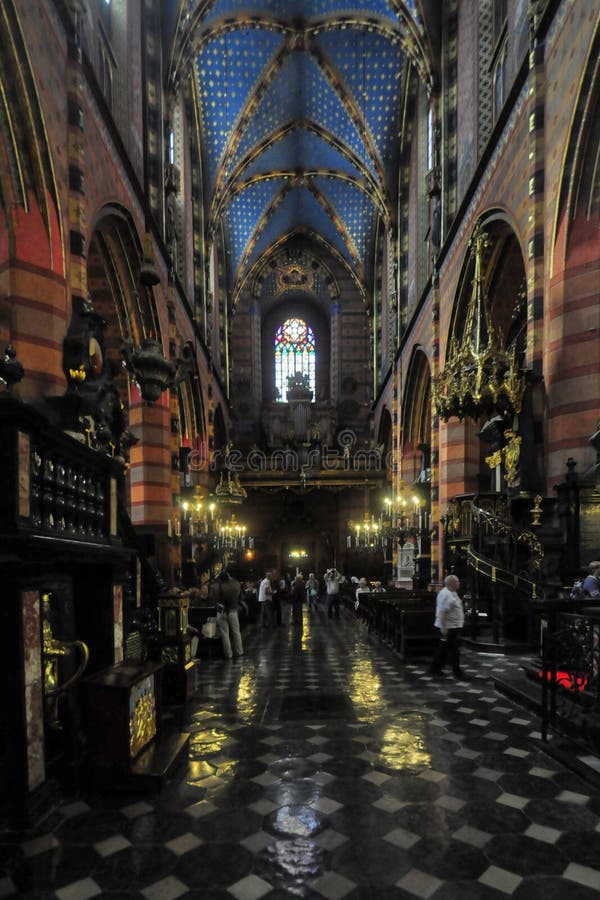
265,595
297,595
226,593
312,592
361,595
591,583
333,579
449,618
281,594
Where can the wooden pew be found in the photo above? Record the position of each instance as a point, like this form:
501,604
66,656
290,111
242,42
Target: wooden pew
402,619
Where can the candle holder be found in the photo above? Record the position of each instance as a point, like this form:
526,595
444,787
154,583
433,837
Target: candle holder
405,530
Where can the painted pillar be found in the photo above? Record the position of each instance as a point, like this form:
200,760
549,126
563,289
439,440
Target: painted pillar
76,160
535,219
336,311
33,688
436,542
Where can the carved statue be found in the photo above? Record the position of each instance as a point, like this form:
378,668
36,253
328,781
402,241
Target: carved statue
511,453
91,393
298,387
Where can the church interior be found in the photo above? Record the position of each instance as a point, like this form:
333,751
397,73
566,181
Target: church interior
287,287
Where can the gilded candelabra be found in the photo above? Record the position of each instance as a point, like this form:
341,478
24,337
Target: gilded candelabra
53,650
480,376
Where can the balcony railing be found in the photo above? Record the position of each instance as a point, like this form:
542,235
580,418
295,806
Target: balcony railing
570,674
479,525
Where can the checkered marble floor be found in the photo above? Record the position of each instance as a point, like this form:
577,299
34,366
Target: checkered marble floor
322,767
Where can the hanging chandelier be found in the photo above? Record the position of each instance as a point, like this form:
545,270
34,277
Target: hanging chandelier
202,520
365,535
229,490
232,535
149,368
405,515
480,377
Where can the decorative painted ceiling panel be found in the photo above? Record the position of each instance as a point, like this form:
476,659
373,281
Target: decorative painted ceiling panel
299,109
299,91
300,211
358,212
299,8
370,66
304,149
227,69
244,215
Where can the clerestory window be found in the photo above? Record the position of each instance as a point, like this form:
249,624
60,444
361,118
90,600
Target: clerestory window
294,355
499,57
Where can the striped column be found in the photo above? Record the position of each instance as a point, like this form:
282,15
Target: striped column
210,430
535,219
436,560
336,312
76,162
152,73
176,437
396,447
449,121
150,468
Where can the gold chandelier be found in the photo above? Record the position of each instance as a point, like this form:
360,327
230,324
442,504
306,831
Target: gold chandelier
480,376
229,490
232,535
204,519
365,535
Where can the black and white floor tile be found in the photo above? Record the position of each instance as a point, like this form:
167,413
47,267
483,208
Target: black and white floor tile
322,767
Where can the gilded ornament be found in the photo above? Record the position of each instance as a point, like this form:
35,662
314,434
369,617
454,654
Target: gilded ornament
52,650
480,376
78,374
511,455
142,717
494,460
292,276
536,510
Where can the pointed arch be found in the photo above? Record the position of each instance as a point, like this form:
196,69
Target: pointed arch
577,217
27,179
416,404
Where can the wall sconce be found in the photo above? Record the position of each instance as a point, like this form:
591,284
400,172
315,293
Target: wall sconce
11,370
150,370
149,277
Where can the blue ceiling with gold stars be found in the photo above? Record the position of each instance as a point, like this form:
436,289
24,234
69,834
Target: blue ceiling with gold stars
299,104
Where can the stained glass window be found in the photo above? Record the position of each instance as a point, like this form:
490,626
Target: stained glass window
294,354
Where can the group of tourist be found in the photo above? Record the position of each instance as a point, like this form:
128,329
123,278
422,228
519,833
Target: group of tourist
274,591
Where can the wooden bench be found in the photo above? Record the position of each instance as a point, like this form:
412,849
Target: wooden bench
417,631
403,620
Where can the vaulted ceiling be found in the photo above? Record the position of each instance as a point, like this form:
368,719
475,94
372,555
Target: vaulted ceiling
300,111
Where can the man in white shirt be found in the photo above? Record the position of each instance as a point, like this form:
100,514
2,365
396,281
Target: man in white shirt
449,618
265,598
333,579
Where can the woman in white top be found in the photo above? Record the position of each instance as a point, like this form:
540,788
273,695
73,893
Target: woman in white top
361,593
